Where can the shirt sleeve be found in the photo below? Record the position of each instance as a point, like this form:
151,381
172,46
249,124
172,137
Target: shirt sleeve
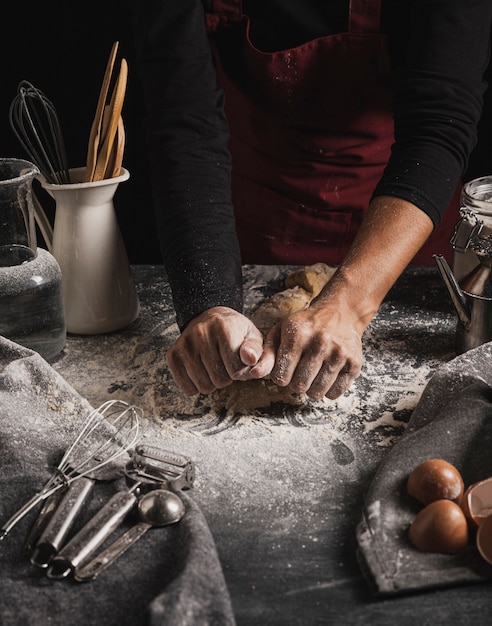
189,162
440,56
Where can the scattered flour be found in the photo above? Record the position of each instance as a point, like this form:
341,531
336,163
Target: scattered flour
255,428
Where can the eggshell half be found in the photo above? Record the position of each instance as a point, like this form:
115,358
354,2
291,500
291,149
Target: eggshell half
484,539
477,502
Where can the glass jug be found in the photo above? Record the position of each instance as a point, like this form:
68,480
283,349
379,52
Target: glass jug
31,301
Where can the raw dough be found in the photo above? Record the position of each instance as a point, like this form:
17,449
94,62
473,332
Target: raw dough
311,278
303,285
278,306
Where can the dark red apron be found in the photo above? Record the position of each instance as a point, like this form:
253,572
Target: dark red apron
311,132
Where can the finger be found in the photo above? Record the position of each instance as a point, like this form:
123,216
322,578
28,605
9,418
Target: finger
192,378
213,370
182,379
264,365
333,381
341,385
232,366
288,354
267,360
318,376
310,374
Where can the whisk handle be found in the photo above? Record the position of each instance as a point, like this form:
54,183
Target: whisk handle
61,521
92,535
28,506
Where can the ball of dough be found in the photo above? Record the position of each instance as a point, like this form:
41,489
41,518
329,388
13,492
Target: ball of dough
279,306
312,278
303,285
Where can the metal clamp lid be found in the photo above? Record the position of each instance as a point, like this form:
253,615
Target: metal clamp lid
468,227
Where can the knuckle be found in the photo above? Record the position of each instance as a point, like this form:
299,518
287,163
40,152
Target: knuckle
171,357
206,388
298,386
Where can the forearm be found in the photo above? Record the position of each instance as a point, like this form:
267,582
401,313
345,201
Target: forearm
391,234
202,259
440,51
189,162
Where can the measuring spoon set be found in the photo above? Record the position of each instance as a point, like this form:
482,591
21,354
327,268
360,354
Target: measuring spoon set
153,476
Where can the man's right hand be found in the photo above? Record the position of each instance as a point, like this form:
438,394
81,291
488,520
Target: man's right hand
217,347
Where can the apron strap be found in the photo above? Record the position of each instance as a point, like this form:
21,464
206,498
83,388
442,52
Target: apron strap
228,7
364,16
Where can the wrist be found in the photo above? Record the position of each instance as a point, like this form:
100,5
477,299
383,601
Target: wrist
392,232
352,296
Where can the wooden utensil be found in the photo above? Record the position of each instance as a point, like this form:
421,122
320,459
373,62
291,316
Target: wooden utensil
96,128
116,157
116,106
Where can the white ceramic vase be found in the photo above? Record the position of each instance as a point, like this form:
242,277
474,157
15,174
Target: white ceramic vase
99,293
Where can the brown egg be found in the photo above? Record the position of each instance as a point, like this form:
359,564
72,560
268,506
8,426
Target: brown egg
440,527
435,479
477,502
484,539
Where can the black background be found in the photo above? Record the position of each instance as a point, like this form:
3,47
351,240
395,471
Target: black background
62,49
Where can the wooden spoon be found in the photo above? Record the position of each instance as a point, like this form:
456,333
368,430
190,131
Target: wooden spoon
116,106
116,157
95,133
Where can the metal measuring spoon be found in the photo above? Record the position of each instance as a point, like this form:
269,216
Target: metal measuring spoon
54,523
159,507
88,539
57,522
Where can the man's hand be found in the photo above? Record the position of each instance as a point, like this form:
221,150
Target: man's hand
317,351
217,347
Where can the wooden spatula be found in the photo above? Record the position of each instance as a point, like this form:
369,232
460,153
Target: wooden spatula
115,108
116,157
96,128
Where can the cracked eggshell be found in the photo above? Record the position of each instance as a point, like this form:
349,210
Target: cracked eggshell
477,502
484,539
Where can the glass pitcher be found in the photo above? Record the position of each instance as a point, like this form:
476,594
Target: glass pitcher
31,302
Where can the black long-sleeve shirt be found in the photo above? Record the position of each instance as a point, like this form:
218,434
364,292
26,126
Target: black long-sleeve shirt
439,51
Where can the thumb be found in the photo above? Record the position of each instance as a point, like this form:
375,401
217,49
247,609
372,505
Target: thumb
251,350
267,361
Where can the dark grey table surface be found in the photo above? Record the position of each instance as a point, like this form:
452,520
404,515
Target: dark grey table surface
281,480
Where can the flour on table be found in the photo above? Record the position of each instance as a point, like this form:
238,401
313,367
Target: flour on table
247,396
241,397
396,369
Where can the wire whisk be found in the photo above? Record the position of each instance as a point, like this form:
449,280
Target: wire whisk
108,433
35,122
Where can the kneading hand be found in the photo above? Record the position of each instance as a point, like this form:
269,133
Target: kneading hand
217,347
316,352
319,350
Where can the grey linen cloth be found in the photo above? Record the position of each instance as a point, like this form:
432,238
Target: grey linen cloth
452,421
172,576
